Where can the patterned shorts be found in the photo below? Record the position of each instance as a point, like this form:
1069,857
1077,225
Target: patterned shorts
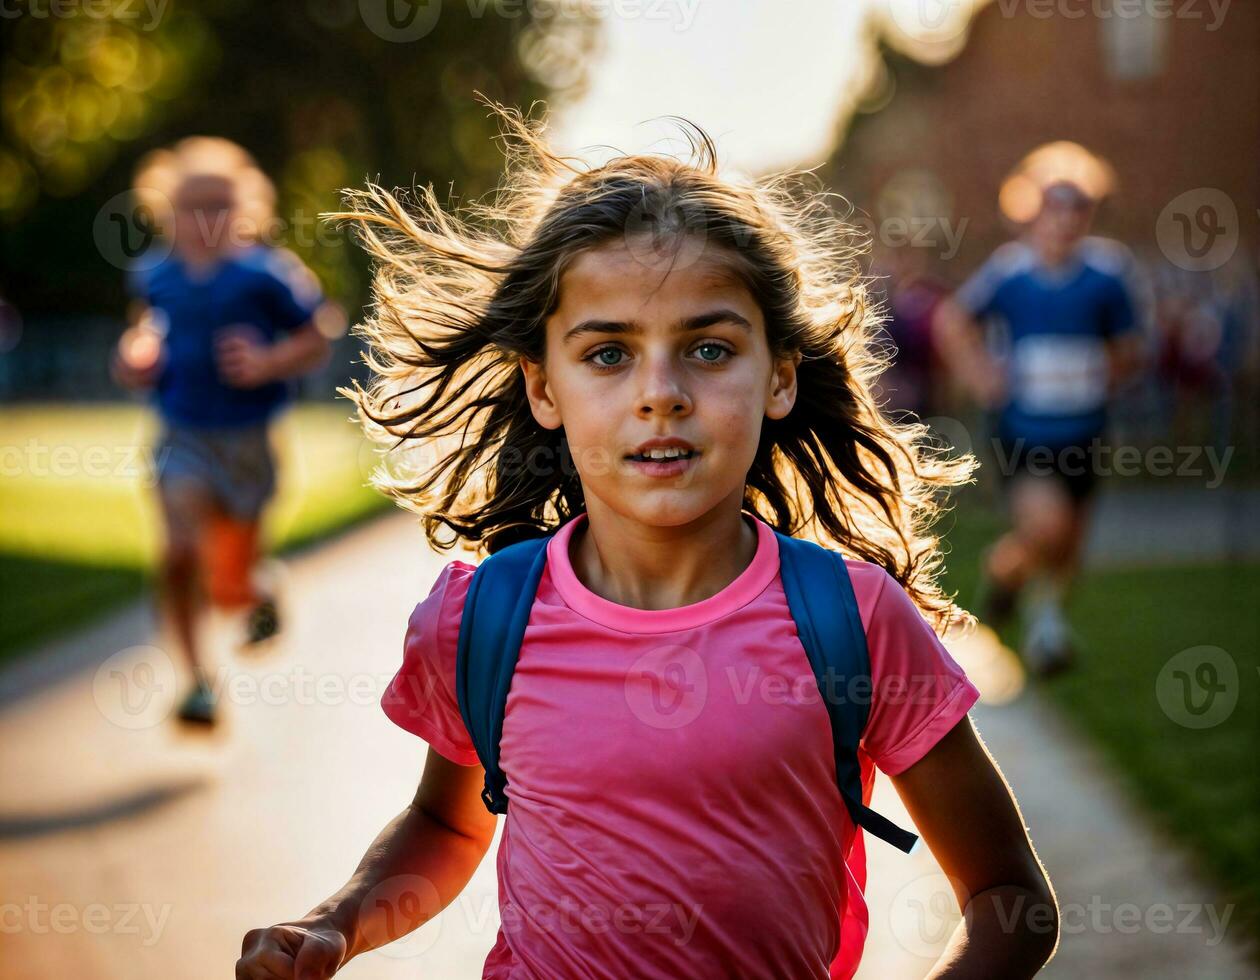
236,465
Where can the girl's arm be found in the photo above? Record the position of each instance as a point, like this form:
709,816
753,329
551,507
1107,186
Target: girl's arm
416,867
968,817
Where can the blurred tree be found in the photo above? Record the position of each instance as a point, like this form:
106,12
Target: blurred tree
324,93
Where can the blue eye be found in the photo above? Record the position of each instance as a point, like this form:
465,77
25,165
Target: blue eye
720,348
598,359
597,355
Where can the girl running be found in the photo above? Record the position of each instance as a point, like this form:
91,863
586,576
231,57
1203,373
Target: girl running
659,371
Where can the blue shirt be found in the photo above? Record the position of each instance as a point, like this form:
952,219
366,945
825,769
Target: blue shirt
1053,328
265,289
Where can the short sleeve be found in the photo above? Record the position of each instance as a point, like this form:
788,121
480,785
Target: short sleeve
1120,314
293,292
421,698
137,279
1126,297
979,294
918,691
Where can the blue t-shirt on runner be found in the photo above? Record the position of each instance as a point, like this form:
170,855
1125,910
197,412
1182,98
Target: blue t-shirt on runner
267,290
1054,326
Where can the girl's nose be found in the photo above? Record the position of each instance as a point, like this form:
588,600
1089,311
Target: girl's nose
663,392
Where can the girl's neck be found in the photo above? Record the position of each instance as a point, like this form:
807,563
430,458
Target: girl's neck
651,567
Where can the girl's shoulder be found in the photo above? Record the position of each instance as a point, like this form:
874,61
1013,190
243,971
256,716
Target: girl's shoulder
448,589
878,594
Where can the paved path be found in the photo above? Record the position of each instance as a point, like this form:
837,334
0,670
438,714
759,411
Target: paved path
1179,524
129,850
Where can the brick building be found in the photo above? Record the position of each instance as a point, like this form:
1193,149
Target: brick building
1166,91
1171,97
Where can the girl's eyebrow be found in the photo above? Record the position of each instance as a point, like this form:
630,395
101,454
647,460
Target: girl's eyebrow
689,325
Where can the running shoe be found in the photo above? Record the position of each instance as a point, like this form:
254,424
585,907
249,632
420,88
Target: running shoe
198,708
1048,646
262,623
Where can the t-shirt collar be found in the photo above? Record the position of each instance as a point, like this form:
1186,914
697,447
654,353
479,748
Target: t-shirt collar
745,587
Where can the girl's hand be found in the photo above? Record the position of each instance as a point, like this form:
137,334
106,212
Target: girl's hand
310,949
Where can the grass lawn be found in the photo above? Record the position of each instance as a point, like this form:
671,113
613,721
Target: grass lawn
78,519
1201,785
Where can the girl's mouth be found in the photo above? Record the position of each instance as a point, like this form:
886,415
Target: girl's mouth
661,467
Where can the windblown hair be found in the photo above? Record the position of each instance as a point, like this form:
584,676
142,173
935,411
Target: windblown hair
461,294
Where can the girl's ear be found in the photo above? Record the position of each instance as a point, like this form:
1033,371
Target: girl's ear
781,395
538,391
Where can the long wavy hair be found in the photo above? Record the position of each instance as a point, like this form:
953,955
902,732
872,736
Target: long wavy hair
461,293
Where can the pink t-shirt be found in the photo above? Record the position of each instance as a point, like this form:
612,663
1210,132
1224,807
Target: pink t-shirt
673,801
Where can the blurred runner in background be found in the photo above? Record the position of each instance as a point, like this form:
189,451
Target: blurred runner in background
911,296
222,325
1067,333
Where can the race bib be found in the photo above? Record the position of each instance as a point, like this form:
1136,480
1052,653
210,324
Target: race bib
1057,374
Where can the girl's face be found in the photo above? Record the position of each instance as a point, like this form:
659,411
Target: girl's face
636,352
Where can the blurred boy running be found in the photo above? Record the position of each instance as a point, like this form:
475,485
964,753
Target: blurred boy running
222,327
1071,335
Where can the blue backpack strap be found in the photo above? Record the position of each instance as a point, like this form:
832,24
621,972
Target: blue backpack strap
496,612
820,597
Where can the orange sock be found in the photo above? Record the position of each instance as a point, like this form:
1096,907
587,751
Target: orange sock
230,549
